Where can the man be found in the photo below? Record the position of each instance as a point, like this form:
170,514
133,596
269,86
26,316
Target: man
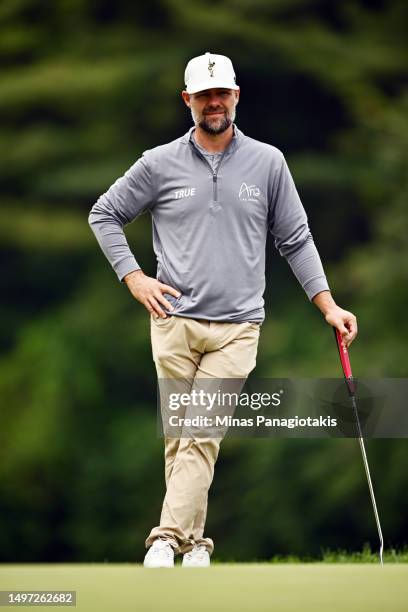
213,195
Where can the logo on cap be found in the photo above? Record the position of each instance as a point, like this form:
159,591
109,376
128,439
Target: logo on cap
211,67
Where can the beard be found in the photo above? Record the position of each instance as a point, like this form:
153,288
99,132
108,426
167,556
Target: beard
211,126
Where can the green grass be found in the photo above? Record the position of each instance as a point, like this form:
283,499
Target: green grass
366,555
311,587
342,556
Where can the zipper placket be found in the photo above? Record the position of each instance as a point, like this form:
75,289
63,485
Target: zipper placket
215,176
213,172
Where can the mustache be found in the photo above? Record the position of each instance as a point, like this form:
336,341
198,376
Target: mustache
214,110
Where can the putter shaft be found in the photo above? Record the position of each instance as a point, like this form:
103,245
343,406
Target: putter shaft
370,484
351,386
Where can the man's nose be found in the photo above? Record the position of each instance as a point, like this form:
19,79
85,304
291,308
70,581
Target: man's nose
215,99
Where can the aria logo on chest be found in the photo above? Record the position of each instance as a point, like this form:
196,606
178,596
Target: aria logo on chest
249,193
185,193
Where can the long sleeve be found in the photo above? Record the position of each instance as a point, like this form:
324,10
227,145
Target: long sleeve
289,225
126,199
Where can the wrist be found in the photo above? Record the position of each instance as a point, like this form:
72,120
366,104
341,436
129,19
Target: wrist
135,274
325,302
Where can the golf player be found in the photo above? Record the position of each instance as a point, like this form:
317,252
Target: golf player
213,195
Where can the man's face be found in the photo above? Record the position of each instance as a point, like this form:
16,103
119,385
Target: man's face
213,110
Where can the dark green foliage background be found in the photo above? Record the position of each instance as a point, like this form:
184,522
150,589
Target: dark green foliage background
86,86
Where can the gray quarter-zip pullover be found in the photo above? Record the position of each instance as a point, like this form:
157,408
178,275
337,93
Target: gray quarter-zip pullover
210,225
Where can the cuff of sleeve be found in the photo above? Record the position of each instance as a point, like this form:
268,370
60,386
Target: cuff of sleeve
315,286
125,266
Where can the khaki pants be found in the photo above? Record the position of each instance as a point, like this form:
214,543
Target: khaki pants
193,349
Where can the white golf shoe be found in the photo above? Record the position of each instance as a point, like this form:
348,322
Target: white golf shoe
198,557
160,554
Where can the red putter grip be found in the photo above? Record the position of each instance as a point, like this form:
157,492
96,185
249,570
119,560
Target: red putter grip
344,356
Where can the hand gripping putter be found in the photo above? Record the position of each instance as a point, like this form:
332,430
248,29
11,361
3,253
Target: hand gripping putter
348,375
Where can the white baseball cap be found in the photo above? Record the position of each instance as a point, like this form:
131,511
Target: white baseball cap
208,71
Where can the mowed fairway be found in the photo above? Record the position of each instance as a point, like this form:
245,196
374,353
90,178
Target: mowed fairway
235,587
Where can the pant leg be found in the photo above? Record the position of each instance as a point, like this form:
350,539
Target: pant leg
175,356
233,361
231,353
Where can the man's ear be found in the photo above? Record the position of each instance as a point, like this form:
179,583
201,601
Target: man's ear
186,98
237,92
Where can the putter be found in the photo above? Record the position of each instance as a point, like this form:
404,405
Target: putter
351,386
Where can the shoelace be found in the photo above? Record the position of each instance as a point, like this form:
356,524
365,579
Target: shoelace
163,547
198,551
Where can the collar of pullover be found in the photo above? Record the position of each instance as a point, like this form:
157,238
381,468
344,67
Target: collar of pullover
233,145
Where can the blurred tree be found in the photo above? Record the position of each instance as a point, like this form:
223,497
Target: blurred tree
86,87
